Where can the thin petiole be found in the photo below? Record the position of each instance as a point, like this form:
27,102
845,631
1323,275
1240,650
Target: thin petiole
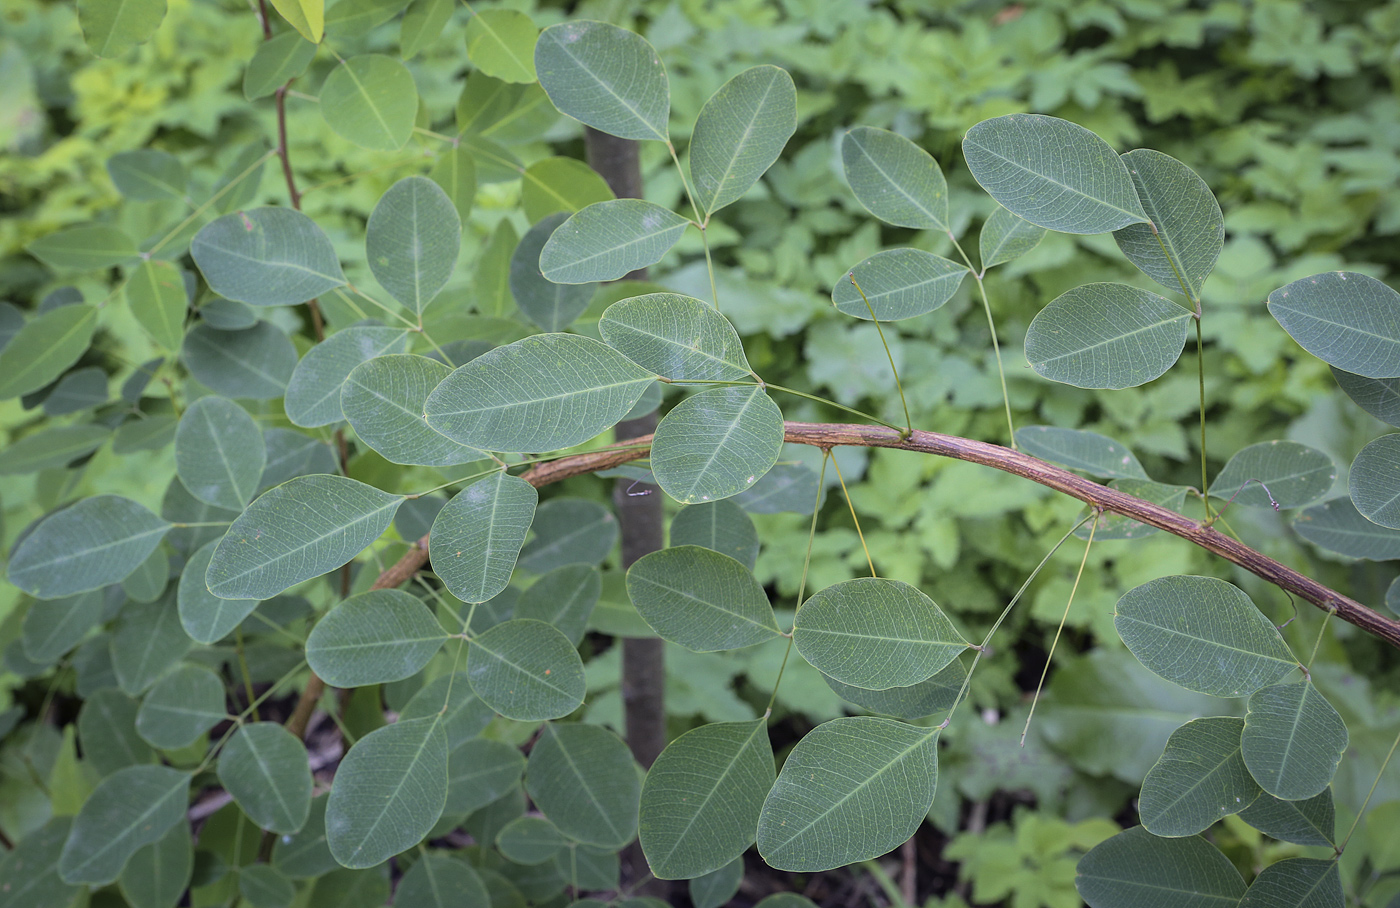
1201,376
802,584
701,222
195,215
829,403
992,326
1307,669
856,520
908,420
1362,812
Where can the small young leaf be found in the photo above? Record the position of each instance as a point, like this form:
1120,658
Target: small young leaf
130,809
267,257
501,43
371,100
306,16
876,633
264,767
1005,237
675,336
155,292
313,393
1200,778
583,778
1345,319
388,792
93,543
551,306
526,670
899,283
1284,474
255,363
1338,526
1293,740
569,531
113,27
608,240
158,874
701,798
412,240
1053,173
1373,481
530,840
1189,228
439,881
717,443
896,180
564,599
1106,336
1204,634
851,790
183,705
277,61
301,529
701,599
374,638
932,695
476,537
44,348
542,393
560,184
740,132
1135,868
462,711
721,526
1095,454
1300,882
219,453
605,76
455,174
383,399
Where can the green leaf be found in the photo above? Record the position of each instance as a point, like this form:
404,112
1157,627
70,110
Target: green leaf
264,767
551,306
93,543
355,19
1200,778
276,62
1204,634
388,792
113,27
228,315
181,706
371,100
383,399
701,599
1373,481
241,183
267,257
851,790
876,634
107,728
45,348
583,778
412,240
503,111
780,900
439,881
1293,740
899,283
740,132
717,443
494,163
1136,868
204,616
313,393
569,531
463,713
1296,883
150,434
605,76
157,875
90,248
541,393
559,184
263,886
305,853
1310,822
1189,228
422,25
1338,526
587,868
147,642
501,43
530,840
155,291
476,537
55,446
526,670
307,16
896,180
481,771
564,599
1095,454
675,336
32,865
932,695
131,808
148,581
1347,320
219,453
1378,396
1106,336
1053,173
455,173
374,638
53,628
721,526
701,799
304,528
1005,237
717,887
1292,476
608,240
256,363
787,488
79,390
1116,526
147,175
